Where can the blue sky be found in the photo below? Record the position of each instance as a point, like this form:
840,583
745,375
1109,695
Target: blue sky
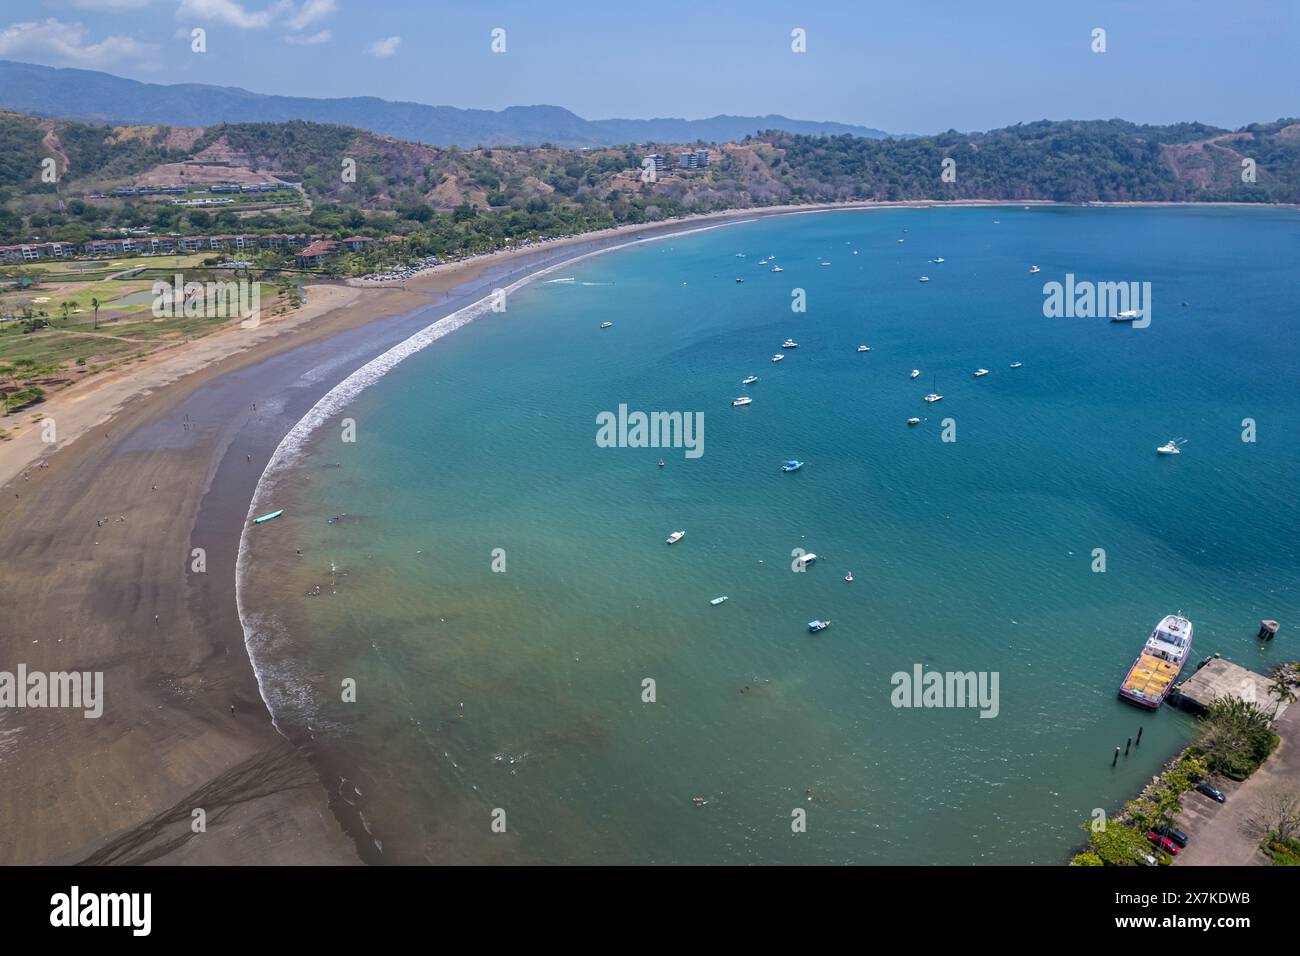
915,66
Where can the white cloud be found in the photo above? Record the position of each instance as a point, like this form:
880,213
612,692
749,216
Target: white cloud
382,49
61,42
229,13
300,40
311,11
110,6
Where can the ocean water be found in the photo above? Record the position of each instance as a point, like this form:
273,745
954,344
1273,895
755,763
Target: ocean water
516,696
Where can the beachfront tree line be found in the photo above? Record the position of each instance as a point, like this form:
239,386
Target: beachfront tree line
1232,739
453,201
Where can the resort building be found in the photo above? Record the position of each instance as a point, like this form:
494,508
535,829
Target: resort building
695,159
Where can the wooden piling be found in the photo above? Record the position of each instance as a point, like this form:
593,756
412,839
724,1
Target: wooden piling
1115,759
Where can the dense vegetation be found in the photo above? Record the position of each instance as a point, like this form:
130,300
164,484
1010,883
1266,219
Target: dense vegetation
450,201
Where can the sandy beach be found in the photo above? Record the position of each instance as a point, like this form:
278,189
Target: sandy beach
97,573
98,539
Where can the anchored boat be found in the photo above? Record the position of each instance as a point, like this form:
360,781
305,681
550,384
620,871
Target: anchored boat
1152,675
815,626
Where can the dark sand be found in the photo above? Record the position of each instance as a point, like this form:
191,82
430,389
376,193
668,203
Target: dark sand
123,788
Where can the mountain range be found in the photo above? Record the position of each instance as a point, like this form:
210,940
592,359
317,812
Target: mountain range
93,97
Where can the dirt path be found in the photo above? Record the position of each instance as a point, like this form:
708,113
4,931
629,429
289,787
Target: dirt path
1217,834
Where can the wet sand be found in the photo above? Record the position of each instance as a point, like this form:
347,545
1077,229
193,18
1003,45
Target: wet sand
172,469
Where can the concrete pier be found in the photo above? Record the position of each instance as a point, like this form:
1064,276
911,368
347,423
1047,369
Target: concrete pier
1219,678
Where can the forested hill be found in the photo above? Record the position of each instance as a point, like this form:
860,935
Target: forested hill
405,187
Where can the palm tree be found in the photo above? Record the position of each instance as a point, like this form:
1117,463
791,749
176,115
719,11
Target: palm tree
65,305
94,304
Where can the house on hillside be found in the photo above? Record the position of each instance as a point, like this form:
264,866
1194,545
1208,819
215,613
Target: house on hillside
315,254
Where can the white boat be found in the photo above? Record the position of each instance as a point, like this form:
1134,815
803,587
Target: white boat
789,344
815,626
981,372
864,348
804,560
777,269
1033,269
933,397
762,262
740,255
825,263
938,259
676,536
606,325
777,357
914,421
925,279
1017,364
1151,678
718,600
916,373
1171,447
743,400
739,279
1128,315
750,380
792,465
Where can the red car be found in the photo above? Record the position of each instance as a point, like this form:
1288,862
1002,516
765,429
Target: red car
1164,843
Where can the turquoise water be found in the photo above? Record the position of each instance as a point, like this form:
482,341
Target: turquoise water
972,555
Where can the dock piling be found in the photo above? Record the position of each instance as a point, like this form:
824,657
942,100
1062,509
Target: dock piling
1268,630
1115,759
1139,740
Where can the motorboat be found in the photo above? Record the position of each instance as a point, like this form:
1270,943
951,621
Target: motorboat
743,400
676,536
789,344
815,626
1171,447
749,380
792,465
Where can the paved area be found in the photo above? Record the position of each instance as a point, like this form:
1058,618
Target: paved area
1216,831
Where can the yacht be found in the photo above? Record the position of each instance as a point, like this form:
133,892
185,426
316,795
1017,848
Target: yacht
1152,675
606,325
789,344
981,372
777,357
1128,315
676,536
934,395
792,465
916,373
749,380
1017,364
1171,447
864,348
743,400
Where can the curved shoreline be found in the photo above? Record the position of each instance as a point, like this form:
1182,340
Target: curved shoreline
186,743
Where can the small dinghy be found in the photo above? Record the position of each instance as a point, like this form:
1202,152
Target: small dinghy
264,518
815,626
718,600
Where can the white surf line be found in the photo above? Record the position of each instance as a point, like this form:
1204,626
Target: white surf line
345,391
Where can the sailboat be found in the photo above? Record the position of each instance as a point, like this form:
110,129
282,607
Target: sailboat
934,395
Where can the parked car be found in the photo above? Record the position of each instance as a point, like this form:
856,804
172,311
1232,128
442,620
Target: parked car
1178,836
1214,793
1164,843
